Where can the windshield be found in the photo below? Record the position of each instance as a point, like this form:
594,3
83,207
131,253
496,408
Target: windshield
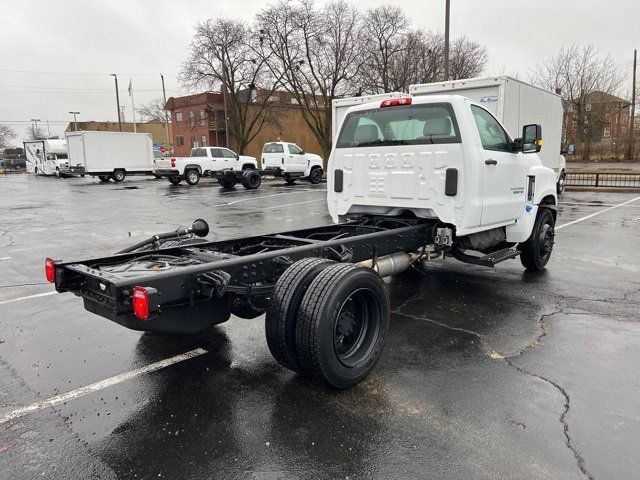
400,125
273,148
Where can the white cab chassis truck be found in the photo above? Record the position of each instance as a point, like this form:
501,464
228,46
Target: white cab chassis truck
515,104
288,160
410,179
50,157
218,162
111,155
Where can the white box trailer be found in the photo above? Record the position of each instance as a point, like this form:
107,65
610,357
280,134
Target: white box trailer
341,105
48,157
112,155
515,104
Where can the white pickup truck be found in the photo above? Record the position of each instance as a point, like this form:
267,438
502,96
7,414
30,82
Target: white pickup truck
288,160
206,161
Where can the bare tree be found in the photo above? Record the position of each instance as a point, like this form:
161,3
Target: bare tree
585,79
7,134
34,132
384,32
466,58
153,110
317,52
228,54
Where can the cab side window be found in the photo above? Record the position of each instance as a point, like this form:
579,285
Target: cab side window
492,135
215,153
295,150
227,153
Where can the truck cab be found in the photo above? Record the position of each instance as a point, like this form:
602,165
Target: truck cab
442,157
288,160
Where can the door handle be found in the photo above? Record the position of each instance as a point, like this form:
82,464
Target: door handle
490,162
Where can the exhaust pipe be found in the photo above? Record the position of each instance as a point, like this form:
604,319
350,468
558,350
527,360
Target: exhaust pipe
397,262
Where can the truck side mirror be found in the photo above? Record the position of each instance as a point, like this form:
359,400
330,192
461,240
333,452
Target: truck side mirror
237,156
531,138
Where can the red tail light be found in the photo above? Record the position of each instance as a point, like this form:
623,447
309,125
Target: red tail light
394,102
140,298
173,163
50,270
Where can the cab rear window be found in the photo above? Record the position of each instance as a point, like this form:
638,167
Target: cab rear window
273,148
400,125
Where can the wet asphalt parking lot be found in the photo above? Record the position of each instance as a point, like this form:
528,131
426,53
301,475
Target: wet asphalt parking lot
487,373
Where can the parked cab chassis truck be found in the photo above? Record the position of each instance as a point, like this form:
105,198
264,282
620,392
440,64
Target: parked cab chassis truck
410,180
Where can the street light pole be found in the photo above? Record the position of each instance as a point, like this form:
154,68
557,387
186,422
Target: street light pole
75,121
117,100
633,108
446,39
35,126
164,107
224,102
48,129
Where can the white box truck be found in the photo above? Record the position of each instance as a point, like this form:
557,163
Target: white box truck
111,155
515,104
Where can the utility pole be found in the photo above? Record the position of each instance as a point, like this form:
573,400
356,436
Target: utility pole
117,100
447,12
224,102
633,108
75,121
164,107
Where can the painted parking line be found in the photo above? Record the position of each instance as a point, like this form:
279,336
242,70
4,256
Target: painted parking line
94,387
241,200
28,297
599,212
4,258
292,204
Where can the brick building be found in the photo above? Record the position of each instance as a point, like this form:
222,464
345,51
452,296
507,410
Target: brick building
605,121
198,120
154,127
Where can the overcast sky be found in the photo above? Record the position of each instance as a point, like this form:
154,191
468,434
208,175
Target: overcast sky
79,42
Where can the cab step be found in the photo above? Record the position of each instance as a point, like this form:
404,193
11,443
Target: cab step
489,260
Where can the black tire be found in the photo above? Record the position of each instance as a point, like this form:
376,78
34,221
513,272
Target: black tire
289,179
561,182
104,178
227,181
58,173
251,179
82,175
315,176
342,325
118,175
174,180
282,315
536,251
157,177
192,177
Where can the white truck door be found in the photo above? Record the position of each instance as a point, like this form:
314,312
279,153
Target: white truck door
504,178
216,159
296,158
229,159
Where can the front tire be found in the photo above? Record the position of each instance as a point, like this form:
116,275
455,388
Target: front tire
561,182
192,177
227,182
342,325
315,176
536,251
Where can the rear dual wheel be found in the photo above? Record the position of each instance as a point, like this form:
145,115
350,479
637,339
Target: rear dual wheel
328,320
174,179
251,179
104,178
227,181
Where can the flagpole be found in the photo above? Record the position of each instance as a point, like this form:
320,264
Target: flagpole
133,106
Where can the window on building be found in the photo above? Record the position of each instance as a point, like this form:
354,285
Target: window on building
294,101
607,118
203,117
203,140
623,118
179,141
607,132
588,107
273,98
254,94
194,142
192,118
178,116
623,130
